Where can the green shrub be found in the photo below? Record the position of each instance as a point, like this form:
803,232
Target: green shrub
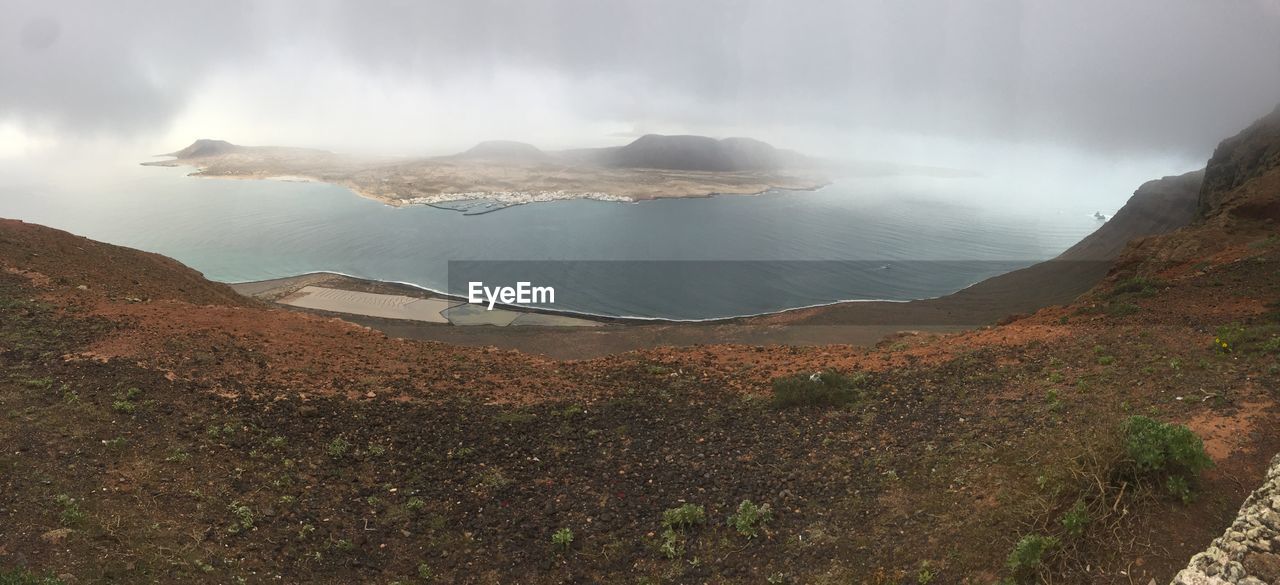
672,544
562,539
1228,338
1138,286
243,517
71,514
817,389
1029,554
1234,338
1165,451
750,518
675,521
684,517
1076,519
337,447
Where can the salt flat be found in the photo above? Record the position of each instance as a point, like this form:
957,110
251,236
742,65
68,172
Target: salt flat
390,306
370,304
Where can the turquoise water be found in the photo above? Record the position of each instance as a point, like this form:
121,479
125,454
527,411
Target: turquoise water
888,238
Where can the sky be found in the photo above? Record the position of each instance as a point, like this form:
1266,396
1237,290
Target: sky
1154,83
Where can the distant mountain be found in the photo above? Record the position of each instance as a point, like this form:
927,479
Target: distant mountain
205,147
695,153
505,151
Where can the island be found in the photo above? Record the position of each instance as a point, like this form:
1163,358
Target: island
498,174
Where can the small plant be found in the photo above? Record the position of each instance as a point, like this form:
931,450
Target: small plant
337,447
672,544
1028,554
675,521
562,539
1159,450
1228,337
71,514
684,517
817,389
926,574
424,572
1076,519
1236,338
415,504
1106,360
750,518
1053,400
243,517
495,478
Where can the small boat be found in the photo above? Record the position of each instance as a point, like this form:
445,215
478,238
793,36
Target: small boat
1098,216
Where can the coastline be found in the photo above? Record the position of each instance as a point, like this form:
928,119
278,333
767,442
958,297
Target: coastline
687,188
1157,207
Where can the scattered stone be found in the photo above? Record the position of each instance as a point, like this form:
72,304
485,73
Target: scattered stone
1243,554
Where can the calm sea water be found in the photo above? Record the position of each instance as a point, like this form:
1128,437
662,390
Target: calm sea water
888,238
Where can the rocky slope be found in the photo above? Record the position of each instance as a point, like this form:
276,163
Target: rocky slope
1241,158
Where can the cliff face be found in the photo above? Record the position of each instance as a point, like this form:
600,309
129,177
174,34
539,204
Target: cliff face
1157,207
1239,159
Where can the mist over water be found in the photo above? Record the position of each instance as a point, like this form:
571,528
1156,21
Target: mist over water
764,253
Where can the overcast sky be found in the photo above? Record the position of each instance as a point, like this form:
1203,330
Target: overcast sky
887,79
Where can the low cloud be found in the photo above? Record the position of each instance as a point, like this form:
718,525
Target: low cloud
1148,77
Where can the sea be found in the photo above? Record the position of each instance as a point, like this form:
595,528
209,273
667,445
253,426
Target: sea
891,238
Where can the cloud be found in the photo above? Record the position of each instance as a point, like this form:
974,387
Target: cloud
1146,76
